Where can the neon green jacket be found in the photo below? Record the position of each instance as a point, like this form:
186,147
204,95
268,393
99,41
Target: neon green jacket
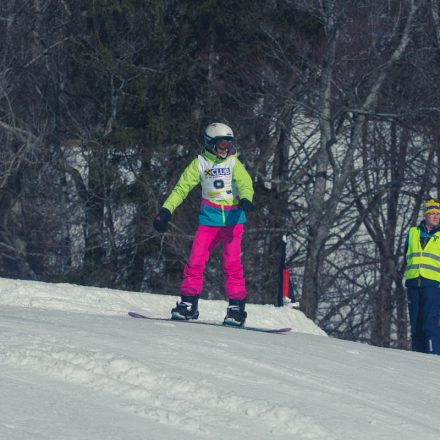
224,182
422,262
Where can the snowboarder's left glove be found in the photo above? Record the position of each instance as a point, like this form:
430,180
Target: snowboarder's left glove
161,220
246,205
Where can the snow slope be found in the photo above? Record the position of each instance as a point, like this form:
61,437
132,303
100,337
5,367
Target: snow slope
75,366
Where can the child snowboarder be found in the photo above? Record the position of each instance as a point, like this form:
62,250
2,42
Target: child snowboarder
227,194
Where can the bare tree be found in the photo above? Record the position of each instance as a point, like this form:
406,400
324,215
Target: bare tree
334,163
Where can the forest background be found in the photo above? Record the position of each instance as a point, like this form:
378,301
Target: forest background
335,106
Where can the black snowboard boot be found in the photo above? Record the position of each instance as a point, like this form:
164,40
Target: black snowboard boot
186,308
235,314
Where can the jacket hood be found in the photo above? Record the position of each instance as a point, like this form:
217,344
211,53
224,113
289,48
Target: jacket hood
422,225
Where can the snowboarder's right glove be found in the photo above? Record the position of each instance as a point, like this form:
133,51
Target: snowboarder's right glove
160,222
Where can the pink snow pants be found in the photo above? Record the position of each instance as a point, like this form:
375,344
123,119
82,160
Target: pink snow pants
205,241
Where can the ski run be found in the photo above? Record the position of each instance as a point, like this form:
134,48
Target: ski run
74,365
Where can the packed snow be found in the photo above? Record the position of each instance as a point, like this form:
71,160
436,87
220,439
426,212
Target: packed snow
74,365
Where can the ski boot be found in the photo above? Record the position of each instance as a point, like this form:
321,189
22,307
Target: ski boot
235,314
186,308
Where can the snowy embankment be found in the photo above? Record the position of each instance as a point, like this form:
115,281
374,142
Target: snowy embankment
74,366
73,298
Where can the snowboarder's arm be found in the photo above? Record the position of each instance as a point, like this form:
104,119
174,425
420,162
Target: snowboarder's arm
243,181
188,180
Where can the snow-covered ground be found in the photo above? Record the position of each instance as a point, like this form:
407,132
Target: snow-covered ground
75,366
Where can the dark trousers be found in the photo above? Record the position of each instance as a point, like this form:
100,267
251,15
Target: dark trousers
424,314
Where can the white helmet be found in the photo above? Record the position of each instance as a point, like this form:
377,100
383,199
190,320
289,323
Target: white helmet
217,131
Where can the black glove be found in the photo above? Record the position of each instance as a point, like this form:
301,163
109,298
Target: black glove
246,205
160,222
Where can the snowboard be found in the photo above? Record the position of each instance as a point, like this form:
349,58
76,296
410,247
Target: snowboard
278,331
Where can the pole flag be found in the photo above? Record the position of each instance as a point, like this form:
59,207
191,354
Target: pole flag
285,290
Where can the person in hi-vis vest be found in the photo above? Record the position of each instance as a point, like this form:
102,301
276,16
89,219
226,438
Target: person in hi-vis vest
422,278
227,194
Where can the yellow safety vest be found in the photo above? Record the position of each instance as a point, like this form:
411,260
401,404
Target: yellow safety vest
422,262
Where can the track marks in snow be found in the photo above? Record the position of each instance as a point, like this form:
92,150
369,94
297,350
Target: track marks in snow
164,398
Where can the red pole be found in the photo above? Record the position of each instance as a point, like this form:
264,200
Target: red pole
285,283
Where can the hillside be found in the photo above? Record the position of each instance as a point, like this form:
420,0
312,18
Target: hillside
75,366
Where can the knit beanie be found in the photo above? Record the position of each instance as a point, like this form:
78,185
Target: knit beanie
432,206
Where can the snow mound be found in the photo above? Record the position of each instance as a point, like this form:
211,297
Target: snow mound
100,301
